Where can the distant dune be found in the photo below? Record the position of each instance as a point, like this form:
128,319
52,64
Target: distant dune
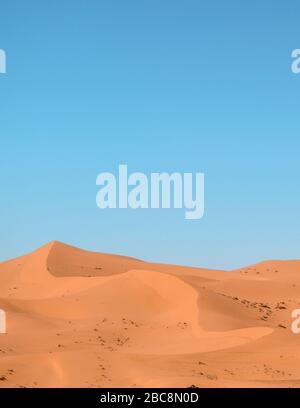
84,319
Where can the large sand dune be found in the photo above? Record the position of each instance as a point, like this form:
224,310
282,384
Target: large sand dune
84,319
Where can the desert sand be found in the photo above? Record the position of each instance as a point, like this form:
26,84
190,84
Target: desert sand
84,319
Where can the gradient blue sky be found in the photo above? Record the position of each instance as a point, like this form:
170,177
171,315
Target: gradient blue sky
161,85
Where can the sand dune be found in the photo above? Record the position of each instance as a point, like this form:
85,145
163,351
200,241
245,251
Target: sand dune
83,319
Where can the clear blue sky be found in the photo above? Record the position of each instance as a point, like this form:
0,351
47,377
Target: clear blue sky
161,85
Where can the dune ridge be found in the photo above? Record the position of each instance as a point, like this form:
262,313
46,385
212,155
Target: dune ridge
84,319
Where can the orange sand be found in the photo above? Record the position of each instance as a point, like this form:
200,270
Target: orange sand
83,319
